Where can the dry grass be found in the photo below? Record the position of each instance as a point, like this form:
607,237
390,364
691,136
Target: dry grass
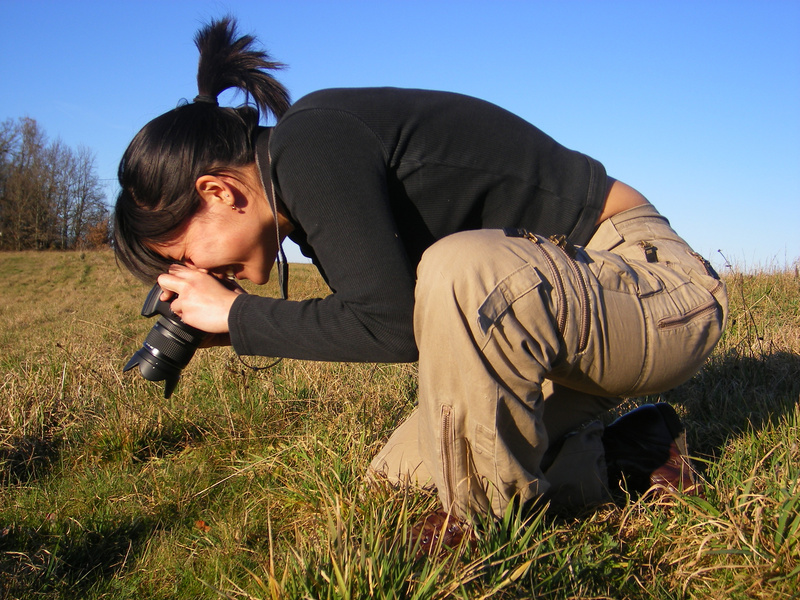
249,485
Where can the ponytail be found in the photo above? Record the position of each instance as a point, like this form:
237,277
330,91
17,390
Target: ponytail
228,61
158,171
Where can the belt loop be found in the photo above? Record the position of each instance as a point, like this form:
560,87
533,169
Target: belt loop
650,251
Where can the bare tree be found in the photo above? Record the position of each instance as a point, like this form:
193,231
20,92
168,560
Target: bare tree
50,195
87,204
9,134
61,161
23,203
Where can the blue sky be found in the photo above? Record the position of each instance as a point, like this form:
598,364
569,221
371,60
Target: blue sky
696,104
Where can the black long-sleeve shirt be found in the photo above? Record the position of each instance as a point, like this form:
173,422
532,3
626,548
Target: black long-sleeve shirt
372,177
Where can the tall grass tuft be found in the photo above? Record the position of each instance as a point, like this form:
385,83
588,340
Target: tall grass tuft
249,485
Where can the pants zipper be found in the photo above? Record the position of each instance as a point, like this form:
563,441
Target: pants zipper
677,321
569,251
448,445
561,311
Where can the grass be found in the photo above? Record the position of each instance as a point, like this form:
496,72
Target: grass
250,485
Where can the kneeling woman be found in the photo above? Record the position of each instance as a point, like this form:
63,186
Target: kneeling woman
533,289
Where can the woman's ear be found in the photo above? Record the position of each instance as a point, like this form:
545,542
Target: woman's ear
214,189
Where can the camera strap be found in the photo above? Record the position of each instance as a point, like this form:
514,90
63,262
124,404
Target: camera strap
283,266
269,192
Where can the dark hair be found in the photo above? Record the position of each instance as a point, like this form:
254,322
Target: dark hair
158,171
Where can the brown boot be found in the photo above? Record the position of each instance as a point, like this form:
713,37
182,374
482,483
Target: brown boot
440,532
647,448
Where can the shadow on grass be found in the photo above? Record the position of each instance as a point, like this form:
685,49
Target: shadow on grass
65,558
51,561
26,458
734,393
166,441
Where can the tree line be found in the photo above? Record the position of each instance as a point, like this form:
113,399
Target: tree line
50,195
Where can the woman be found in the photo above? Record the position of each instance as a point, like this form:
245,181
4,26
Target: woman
428,214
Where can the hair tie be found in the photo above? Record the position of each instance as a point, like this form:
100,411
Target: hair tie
207,99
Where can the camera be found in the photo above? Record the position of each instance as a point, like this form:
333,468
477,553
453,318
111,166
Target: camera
168,347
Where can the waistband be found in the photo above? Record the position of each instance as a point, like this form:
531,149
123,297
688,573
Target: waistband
654,240
644,211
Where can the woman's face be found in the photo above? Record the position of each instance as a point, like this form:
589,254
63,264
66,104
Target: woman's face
233,233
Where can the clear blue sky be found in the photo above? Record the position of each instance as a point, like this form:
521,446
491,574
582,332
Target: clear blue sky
696,104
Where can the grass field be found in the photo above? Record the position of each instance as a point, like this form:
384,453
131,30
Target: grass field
249,485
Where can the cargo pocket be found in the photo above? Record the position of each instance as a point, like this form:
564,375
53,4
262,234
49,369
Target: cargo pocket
686,323
519,283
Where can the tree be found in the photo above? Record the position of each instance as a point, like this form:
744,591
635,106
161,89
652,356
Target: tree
24,211
50,195
9,135
98,235
61,163
87,201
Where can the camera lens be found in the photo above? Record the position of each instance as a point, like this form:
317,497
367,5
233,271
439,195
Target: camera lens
167,349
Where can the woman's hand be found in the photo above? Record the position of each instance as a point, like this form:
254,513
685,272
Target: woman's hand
203,301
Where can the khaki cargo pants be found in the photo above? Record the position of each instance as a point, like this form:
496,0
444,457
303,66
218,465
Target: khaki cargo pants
524,341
